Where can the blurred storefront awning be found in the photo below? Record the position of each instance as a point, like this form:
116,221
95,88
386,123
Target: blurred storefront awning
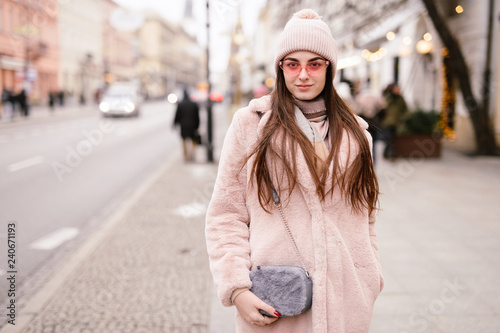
371,37
11,63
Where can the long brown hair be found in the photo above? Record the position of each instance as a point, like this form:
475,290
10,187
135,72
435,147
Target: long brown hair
358,184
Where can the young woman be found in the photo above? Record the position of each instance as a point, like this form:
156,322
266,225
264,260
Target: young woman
303,140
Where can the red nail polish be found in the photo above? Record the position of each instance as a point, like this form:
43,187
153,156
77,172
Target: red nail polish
277,314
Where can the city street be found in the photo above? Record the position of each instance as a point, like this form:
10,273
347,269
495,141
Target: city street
62,175
103,219
145,268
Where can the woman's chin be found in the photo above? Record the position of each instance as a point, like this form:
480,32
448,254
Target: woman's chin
304,96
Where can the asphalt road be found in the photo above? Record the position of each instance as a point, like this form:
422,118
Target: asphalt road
61,176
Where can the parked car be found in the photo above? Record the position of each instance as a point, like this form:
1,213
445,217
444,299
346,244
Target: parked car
121,99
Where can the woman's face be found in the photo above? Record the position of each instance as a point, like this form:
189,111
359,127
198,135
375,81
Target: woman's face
303,85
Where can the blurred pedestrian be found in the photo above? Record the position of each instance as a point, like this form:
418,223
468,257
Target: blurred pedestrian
61,96
393,118
7,110
82,99
22,99
370,105
16,105
188,117
51,101
97,95
302,152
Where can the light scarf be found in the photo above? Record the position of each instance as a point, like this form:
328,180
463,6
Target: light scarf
312,119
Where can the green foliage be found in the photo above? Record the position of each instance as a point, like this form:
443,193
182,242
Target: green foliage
421,122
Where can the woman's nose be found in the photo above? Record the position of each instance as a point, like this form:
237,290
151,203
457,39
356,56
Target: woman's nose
303,74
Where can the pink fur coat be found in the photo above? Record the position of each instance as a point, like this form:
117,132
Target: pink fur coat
339,247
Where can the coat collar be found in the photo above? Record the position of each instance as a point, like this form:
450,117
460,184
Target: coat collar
263,105
347,149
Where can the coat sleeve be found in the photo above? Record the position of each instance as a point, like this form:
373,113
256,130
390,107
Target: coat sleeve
373,216
373,240
371,227
227,221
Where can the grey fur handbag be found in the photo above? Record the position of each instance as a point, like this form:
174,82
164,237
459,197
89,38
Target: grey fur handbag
286,288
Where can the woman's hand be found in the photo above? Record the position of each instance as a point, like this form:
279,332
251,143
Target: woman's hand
248,306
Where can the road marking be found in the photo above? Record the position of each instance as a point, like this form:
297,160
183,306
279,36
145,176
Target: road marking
25,163
55,239
190,210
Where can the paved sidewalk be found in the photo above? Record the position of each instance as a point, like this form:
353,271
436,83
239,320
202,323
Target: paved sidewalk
147,270
439,233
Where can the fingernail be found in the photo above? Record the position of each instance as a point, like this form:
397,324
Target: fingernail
277,314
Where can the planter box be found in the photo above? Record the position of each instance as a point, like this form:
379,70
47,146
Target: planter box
418,145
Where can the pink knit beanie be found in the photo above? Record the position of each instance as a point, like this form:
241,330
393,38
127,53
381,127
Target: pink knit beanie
307,32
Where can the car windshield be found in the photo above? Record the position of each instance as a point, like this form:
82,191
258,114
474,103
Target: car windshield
119,94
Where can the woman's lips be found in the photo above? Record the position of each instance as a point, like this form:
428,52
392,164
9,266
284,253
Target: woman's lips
303,86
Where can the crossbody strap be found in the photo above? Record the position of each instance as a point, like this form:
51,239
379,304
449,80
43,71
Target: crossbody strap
277,203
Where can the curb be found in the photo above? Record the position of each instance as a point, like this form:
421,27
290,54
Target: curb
38,301
42,116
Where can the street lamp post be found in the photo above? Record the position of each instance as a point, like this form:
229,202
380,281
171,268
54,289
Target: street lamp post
210,154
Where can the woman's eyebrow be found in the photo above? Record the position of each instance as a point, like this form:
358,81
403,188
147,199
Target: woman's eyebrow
312,59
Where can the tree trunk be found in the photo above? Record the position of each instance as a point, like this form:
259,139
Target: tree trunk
479,113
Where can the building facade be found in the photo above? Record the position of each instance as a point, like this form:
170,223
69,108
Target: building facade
119,47
81,51
388,41
168,57
29,47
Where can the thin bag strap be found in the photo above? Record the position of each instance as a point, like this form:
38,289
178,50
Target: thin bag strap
277,203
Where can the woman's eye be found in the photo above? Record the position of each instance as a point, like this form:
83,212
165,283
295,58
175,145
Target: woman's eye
292,65
314,64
